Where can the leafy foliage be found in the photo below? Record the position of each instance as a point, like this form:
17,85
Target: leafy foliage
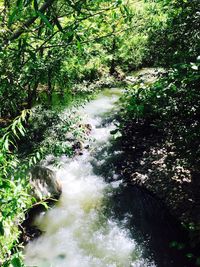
170,103
168,109
50,48
45,47
14,190
49,45
177,40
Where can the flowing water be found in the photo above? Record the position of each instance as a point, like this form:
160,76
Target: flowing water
94,223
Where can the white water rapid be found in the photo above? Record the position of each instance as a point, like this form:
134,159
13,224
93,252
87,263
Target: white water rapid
77,233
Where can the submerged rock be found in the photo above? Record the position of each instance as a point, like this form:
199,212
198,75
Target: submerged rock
44,183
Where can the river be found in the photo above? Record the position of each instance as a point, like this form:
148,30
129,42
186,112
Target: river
99,221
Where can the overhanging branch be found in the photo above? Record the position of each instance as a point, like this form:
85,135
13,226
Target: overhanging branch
30,21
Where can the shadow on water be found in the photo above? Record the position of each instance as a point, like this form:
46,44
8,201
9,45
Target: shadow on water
148,220
150,224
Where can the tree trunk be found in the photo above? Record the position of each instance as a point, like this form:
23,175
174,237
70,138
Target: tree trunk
30,21
113,65
50,87
32,93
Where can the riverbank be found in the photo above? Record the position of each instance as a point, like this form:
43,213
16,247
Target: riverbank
45,129
158,157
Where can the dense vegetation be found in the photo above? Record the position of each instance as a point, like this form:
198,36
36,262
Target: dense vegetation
160,119
61,48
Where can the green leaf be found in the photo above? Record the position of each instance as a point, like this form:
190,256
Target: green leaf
19,3
114,15
34,160
79,46
45,20
27,2
36,5
114,131
58,24
11,142
71,36
45,205
17,10
24,113
12,17
14,128
6,144
38,155
21,129
126,9
189,255
16,262
173,244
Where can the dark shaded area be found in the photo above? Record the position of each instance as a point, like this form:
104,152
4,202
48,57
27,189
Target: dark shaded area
151,226
161,236
29,231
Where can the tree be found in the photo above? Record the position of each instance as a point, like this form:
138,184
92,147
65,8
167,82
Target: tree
36,39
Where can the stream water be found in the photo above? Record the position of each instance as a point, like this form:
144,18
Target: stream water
99,221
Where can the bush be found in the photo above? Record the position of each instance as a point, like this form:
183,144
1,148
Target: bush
171,105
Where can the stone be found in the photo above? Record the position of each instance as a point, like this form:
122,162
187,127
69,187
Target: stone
44,183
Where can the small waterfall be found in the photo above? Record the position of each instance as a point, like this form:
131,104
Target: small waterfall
77,231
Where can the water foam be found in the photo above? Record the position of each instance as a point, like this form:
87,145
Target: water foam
76,231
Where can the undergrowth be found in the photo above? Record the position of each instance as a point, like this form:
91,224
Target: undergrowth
167,111
24,143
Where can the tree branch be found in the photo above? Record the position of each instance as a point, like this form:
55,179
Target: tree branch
98,38
29,21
